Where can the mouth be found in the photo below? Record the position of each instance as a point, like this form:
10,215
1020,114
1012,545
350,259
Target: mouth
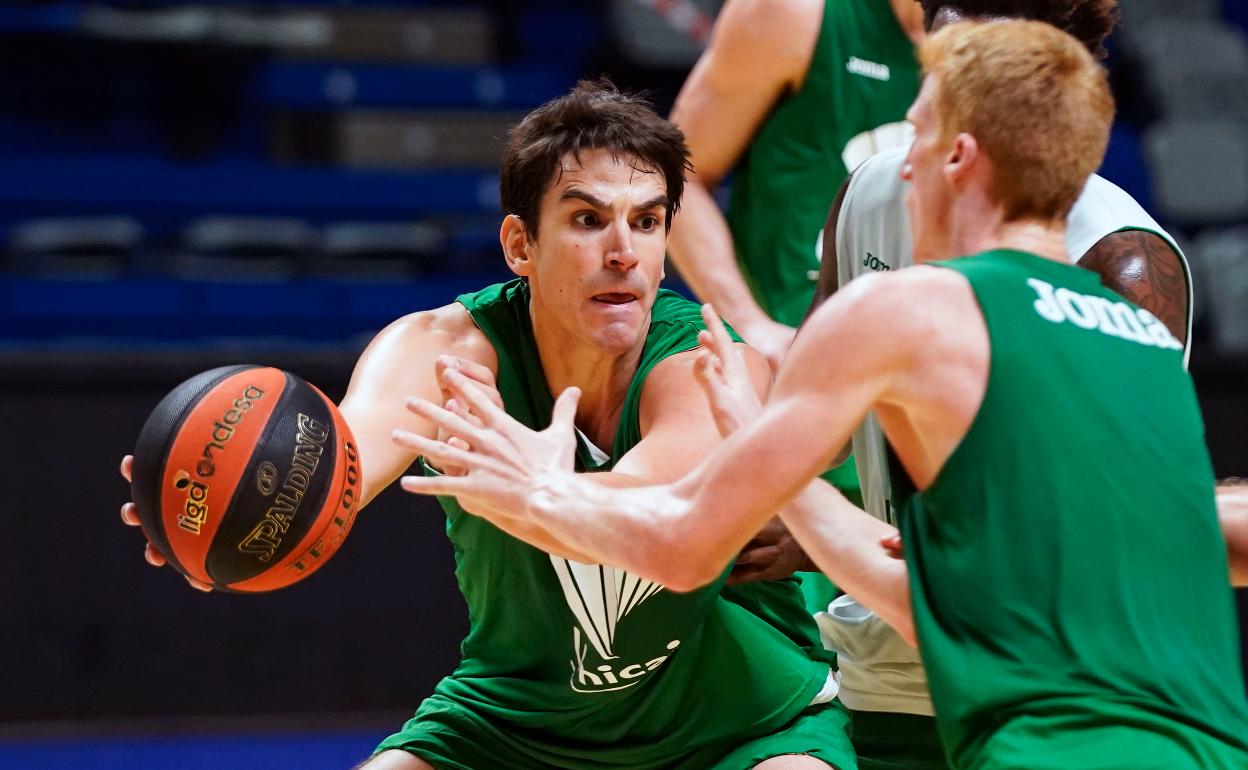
615,298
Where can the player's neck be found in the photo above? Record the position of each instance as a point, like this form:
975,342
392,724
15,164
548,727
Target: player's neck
603,377
1044,239
981,226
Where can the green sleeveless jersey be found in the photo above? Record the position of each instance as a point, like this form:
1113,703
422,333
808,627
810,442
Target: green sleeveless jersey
862,78
584,665
1068,574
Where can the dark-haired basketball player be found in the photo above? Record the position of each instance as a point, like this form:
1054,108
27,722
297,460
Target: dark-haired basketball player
570,663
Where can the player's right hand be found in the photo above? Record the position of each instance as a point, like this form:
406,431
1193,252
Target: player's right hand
130,515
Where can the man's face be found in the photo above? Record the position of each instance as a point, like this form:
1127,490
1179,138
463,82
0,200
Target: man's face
598,259
929,197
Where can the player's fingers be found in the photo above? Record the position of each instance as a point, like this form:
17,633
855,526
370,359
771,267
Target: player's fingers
473,371
448,421
450,486
706,367
724,347
198,586
563,416
455,406
454,470
127,467
747,575
758,557
437,453
130,515
153,557
893,545
476,398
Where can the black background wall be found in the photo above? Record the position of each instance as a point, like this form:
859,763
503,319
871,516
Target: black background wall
89,630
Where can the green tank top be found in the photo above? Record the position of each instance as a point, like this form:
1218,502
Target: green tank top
1068,574
580,665
862,78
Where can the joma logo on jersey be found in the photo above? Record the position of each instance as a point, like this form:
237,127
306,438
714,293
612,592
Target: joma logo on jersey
872,262
1116,319
868,69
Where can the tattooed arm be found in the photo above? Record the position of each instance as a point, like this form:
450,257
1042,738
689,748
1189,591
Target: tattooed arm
1144,268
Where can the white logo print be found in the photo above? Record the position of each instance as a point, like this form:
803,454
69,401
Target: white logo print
1087,311
868,69
600,597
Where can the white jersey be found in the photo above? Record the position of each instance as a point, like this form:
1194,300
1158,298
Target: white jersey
873,235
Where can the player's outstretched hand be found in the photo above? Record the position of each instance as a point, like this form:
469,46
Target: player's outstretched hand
499,461
722,373
130,515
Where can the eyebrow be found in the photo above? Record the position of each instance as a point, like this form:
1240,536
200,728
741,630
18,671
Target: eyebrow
573,193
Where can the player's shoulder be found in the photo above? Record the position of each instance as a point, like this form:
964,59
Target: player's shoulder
448,328
876,182
884,164
901,304
878,290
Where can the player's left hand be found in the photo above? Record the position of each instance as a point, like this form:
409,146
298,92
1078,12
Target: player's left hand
721,371
771,555
499,460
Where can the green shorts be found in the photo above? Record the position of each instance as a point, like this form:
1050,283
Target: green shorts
894,741
449,738
820,731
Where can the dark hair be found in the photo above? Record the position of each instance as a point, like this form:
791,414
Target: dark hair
1089,21
594,116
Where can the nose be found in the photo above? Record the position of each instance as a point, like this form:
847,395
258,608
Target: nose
620,254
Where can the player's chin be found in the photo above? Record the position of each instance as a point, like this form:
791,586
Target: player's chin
618,334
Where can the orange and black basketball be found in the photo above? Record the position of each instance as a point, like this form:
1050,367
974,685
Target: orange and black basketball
246,478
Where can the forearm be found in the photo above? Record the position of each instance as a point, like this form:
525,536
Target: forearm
632,527
844,543
1233,516
701,246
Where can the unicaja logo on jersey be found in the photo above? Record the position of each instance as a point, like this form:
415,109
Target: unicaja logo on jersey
601,598
1088,311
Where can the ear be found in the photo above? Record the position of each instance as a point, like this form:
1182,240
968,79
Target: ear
517,247
964,159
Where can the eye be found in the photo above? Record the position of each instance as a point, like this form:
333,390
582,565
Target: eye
586,219
648,222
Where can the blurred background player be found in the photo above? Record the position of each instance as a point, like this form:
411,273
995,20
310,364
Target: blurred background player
1071,614
789,96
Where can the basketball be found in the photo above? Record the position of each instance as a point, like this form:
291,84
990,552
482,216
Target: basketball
246,478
